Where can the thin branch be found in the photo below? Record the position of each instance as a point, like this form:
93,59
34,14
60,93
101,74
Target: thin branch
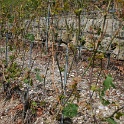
112,115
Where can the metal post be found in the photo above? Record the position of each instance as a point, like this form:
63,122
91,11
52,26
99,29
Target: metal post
66,70
47,26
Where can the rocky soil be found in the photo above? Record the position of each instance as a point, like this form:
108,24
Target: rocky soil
47,96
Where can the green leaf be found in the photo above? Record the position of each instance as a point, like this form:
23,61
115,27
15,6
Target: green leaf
118,115
105,102
26,81
34,104
102,93
43,103
38,77
61,69
30,37
12,57
108,83
33,110
36,69
98,32
70,110
123,28
111,121
30,82
10,47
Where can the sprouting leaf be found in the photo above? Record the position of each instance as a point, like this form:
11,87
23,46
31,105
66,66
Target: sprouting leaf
70,110
94,87
100,56
78,11
61,97
30,37
33,106
111,121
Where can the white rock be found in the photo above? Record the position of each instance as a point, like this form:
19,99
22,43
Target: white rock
97,111
101,107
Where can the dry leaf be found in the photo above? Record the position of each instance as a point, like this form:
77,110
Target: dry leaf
107,93
19,107
82,103
121,69
39,112
19,121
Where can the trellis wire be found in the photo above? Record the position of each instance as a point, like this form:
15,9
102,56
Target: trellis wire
30,54
6,52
